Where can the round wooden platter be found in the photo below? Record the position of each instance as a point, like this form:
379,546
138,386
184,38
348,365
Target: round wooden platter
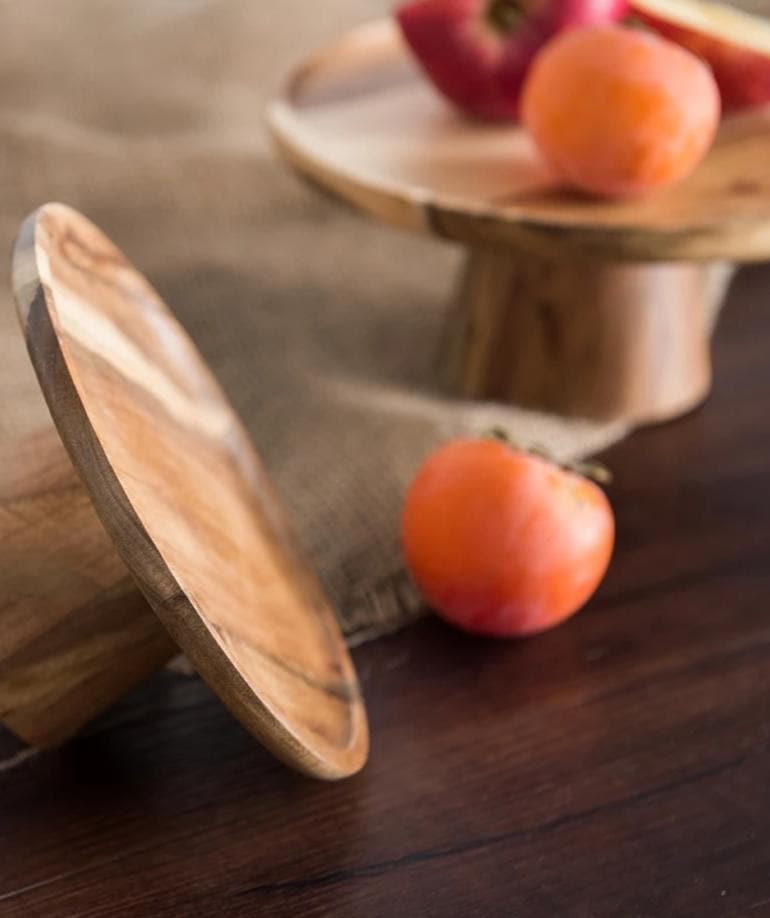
361,120
567,303
183,496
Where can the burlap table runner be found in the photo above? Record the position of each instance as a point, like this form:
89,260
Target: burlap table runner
321,326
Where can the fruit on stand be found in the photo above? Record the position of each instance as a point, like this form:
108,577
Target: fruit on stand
734,42
502,541
620,111
477,52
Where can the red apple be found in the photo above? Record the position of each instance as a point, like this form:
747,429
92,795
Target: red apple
477,52
735,43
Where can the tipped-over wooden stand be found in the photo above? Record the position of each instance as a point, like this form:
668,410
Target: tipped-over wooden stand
583,307
144,521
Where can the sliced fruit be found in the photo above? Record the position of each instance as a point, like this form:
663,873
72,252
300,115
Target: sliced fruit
734,42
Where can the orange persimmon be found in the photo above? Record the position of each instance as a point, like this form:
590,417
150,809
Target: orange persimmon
620,111
504,542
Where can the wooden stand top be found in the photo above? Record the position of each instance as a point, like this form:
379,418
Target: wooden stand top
183,495
360,120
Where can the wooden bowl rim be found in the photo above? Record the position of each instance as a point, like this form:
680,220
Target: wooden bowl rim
422,209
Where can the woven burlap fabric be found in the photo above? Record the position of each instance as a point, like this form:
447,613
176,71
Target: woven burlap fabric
321,325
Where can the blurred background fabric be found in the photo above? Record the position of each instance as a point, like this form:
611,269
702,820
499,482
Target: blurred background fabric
321,326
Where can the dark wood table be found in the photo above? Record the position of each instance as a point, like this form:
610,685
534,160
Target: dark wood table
617,766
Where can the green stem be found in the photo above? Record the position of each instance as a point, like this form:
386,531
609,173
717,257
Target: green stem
587,468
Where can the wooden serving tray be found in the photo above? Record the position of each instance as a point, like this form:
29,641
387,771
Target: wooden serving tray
187,506
568,302
359,118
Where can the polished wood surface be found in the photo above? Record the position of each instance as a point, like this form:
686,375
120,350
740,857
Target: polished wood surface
180,491
360,120
617,766
75,632
581,337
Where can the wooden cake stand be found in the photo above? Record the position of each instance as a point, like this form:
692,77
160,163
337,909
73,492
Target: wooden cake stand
571,304
166,532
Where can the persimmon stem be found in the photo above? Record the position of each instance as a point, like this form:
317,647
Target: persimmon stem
593,470
585,467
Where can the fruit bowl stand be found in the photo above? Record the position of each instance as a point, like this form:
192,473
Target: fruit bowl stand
584,307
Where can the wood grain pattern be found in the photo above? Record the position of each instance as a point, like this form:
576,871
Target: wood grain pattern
614,767
75,633
181,493
568,335
361,121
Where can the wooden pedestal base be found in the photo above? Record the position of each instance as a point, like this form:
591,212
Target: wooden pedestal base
75,632
599,339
